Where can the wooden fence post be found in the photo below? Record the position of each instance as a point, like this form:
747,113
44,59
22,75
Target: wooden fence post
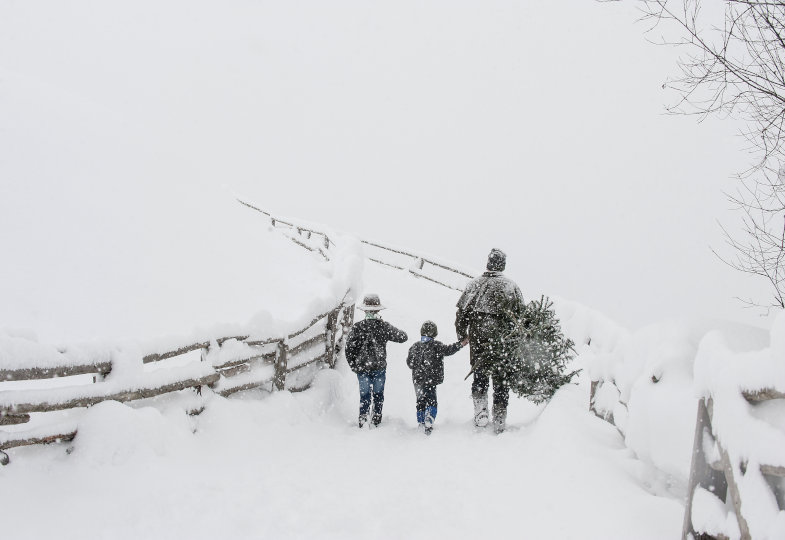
348,318
280,366
346,323
701,473
332,329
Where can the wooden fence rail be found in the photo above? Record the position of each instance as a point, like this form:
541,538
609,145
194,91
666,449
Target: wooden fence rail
266,362
319,242
714,473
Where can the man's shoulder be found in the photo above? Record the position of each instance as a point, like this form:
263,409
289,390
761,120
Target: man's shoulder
491,280
500,279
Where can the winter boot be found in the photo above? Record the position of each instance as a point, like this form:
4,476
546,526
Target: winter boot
376,419
499,419
362,420
480,410
430,417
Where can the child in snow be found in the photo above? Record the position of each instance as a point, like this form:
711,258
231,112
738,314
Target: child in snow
426,360
366,353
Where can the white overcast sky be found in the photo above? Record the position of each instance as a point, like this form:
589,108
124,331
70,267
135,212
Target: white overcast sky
448,127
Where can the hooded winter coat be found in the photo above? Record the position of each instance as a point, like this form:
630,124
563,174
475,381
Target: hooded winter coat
426,360
488,311
366,346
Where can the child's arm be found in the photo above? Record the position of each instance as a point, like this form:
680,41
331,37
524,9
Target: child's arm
449,350
410,357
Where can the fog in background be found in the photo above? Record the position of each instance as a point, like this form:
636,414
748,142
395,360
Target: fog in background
447,127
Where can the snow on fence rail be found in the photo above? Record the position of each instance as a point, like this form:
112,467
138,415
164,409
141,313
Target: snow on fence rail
737,476
736,484
420,266
227,365
715,475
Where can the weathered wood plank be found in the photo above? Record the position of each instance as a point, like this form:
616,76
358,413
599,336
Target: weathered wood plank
309,248
221,341
413,256
423,276
321,358
702,474
310,325
332,330
454,270
292,225
13,419
236,370
764,394
28,374
234,363
307,344
260,342
127,395
155,357
773,470
58,437
247,386
377,261
279,379
733,488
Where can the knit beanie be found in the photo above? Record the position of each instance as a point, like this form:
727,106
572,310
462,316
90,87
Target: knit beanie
497,260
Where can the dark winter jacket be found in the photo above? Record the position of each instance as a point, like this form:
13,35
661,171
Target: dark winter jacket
488,311
426,360
366,346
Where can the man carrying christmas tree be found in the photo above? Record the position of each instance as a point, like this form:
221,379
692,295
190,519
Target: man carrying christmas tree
489,313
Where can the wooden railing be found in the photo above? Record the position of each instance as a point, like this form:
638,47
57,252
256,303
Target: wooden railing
418,266
600,412
227,365
713,470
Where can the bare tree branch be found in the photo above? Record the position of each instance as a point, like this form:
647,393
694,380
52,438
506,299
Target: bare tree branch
737,69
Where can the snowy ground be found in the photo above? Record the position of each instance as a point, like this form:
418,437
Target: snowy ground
296,466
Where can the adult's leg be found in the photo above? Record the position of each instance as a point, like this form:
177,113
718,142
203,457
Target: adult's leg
365,397
377,382
501,398
480,398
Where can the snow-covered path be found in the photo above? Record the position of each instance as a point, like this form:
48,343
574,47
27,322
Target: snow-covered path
295,465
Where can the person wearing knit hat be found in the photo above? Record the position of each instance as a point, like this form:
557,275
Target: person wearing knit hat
487,310
497,261
426,360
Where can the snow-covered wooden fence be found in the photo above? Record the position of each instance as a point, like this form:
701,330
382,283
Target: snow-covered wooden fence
308,237
604,398
721,479
226,365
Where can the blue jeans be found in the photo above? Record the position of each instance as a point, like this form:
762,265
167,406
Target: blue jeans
426,402
372,386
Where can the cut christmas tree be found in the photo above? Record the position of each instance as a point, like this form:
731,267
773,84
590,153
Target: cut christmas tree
539,354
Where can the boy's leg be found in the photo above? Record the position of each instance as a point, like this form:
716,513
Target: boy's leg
377,381
365,397
420,403
430,407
